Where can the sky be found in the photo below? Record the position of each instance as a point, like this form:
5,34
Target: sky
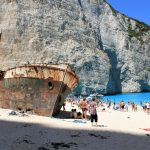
137,9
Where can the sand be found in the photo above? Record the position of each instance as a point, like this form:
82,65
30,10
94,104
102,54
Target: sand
116,130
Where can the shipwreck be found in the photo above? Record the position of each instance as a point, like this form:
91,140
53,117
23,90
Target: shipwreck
40,88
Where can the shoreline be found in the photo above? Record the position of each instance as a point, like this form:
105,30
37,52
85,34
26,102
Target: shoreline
132,97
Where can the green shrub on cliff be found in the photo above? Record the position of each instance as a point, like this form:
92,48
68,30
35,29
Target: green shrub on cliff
139,31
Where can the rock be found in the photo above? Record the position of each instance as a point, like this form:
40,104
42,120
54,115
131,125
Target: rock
109,51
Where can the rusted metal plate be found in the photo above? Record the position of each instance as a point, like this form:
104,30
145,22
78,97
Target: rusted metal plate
54,72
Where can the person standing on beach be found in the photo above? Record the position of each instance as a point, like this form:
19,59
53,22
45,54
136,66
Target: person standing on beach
133,106
93,111
122,105
148,107
64,104
83,106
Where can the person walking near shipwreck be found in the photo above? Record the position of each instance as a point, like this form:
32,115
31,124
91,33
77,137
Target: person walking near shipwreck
93,111
83,106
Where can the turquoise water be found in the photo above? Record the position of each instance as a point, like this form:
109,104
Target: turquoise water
132,97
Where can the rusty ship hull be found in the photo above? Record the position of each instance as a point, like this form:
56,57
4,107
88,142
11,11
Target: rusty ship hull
37,88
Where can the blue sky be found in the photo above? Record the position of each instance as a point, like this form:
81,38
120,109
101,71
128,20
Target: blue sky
137,9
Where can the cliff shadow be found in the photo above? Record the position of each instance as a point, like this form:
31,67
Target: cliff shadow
25,136
144,86
114,83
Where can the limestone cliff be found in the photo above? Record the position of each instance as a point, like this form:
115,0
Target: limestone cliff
109,51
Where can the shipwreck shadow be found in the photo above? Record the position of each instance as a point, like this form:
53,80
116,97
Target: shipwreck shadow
68,115
63,114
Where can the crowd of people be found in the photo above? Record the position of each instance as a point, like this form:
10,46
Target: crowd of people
122,106
90,107
86,107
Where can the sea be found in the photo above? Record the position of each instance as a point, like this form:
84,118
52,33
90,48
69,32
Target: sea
137,98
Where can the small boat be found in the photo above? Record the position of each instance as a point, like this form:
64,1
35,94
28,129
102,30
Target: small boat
40,88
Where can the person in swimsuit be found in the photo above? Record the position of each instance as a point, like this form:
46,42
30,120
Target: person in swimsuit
83,106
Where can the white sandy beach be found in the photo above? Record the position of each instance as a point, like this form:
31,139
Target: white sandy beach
116,130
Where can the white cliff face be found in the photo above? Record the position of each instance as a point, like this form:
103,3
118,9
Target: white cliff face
109,52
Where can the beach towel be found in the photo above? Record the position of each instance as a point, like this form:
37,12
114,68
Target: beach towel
79,121
75,121
146,129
